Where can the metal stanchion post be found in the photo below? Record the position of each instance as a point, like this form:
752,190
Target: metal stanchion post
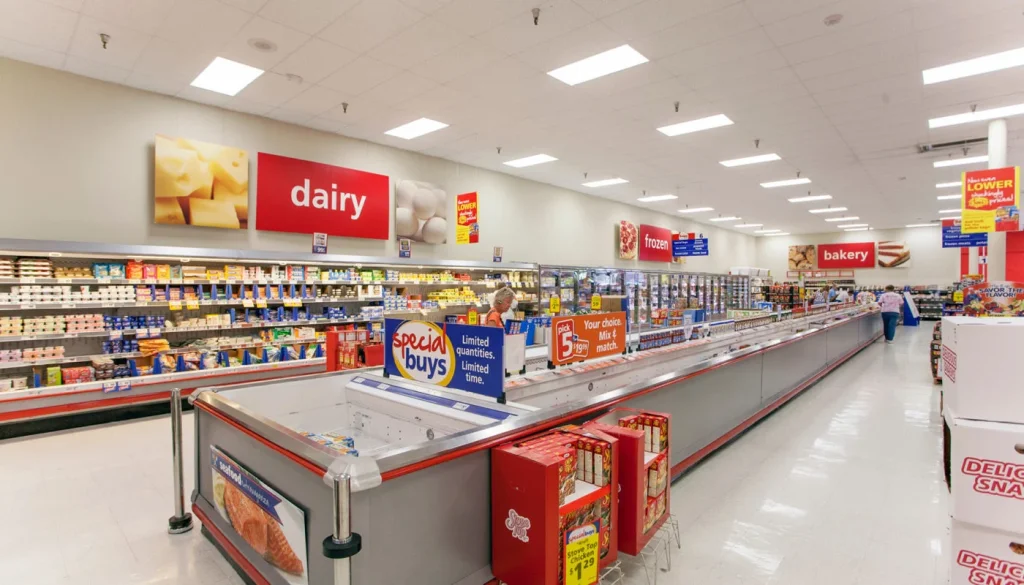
182,520
343,544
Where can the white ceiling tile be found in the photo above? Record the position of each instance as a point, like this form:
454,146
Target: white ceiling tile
457,61
861,56
308,16
95,69
694,32
30,54
272,89
651,16
402,87
202,23
769,11
123,48
761,66
290,116
519,33
73,5
360,75
602,8
315,100
251,6
37,24
851,77
811,24
473,17
141,15
882,29
243,105
287,41
203,96
357,113
577,44
425,6
315,60
719,53
174,60
325,125
370,23
932,14
155,83
417,43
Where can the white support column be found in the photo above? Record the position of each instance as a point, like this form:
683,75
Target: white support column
996,160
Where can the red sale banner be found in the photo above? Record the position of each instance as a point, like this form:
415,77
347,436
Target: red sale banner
585,337
305,197
991,201
846,255
655,244
467,226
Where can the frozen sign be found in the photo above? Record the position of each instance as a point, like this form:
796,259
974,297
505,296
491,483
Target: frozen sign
464,357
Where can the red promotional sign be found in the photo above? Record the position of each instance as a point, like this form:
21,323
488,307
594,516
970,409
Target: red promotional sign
304,197
655,244
858,255
467,226
586,337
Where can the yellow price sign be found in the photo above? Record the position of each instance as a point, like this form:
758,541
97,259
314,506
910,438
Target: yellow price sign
595,303
293,302
192,305
473,317
554,305
174,305
261,303
582,555
247,303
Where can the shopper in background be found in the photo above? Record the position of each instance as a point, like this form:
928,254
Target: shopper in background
500,302
891,302
819,297
832,293
843,296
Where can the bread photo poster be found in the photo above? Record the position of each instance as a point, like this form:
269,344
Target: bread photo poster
201,184
893,254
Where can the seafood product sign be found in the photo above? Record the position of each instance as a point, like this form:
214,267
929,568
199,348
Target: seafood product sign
274,527
464,357
991,201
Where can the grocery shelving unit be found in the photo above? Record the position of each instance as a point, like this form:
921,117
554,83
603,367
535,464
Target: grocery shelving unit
89,327
933,302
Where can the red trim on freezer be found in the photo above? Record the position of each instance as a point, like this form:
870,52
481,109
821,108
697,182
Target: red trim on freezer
232,551
298,459
720,441
89,405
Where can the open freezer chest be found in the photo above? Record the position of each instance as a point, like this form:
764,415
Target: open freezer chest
554,509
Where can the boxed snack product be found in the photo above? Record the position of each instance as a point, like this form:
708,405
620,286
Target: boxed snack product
975,353
983,555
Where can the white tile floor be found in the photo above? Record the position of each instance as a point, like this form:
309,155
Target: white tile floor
844,485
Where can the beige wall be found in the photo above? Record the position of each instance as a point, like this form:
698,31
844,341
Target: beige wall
76,158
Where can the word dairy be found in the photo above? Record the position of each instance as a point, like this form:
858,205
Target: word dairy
322,199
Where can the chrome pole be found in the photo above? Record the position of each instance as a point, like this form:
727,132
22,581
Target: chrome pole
181,521
342,544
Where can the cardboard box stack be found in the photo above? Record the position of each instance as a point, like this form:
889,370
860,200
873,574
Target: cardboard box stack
984,409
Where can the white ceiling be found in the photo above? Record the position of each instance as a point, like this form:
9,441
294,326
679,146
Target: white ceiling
844,105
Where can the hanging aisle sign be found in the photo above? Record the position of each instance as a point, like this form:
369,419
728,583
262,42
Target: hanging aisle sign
952,237
991,201
464,357
689,246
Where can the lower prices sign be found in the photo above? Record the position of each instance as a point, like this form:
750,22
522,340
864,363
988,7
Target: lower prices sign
467,224
846,255
582,554
991,201
464,357
585,337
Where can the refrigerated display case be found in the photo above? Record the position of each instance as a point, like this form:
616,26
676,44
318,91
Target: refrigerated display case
738,292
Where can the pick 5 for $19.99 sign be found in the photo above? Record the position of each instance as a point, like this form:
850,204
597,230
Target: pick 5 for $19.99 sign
585,337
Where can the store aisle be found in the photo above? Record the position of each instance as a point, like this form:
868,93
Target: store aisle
841,486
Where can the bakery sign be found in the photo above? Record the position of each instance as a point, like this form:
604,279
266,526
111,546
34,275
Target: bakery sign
846,255
301,196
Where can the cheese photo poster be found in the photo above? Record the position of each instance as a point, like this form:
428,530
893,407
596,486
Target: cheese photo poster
201,184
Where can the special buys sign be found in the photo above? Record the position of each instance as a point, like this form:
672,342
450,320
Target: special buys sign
655,244
846,255
304,197
464,357
586,337
198,183
273,526
421,212
991,201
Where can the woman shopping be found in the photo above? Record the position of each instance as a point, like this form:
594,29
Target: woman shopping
502,302
891,303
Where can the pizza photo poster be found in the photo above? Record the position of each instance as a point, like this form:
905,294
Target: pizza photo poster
803,257
628,240
201,184
893,254
421,212
268,522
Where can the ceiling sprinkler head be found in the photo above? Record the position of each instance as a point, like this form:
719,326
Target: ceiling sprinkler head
344,107
833,19
297,79
263,45
104,39
536,16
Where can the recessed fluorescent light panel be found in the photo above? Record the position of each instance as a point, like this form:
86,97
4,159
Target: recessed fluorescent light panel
529,161
809,198
750,160
957,210
986,64
727,218
852,225
599,65
856,230
653,198
828,210
606,182
786,183
696,209
923,224
850,218
944,197
955,162
950,184
226,76
416,128
778,234
976,116
746,225
767,231
708,123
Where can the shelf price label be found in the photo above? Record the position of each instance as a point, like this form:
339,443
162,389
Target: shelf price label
581,555
247,303
554,305
261,303
174,305
595,302
293,303
192,305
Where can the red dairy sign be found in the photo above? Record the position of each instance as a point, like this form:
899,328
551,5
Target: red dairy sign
304,197
857,255
655,244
